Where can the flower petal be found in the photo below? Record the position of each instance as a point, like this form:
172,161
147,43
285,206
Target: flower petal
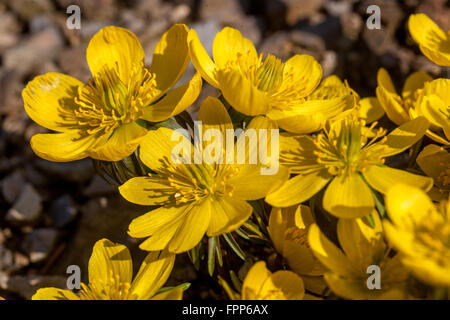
108,260
54,294
414,82
251,184
370,109
153,273
122,143
433,160
381,178
331,257
389,99
193,228
49,100
201,60
227,214
229,44
159,146
213,115
254,280
146,191
401,138
303,73
298,189
242,94
437,112
175,294
61,147
114,48
175,102
283,285
170,58
433,41
348,197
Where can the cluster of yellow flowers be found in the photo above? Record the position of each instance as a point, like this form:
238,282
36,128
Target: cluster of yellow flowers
334,207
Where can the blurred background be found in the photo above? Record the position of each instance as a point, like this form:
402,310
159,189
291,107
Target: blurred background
51,214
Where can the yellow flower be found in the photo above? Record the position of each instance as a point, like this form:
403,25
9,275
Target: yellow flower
349,157
254,86
197,197
435,162
421,96
98,119
420,232
288,229
110,277
432,40
362,246
261,284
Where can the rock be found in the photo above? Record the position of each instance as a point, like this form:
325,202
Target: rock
27,207
98,187
9,30
6,258
23,58
299,9
39,243
337,8
100,218
12,185
72,60
351,24
76,171
26,286
15,123
62,211
27,9
329,63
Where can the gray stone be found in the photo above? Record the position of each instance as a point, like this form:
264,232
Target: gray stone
26,286
27,207
98,187
39,243
77,171
62,211
12,185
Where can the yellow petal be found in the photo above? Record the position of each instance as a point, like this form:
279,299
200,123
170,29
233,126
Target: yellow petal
401,138
175,102
54,294
389,99
242,94
114,48
146,191
433,160
433,41
175,294
250,184
109,260
229,44
49,100
385,81
298,189
370,109
170,58
122,143
158,147
153,273
156,221
61,147
437,112
193,228
414,82
227,214
428,271
254,280
201,60
214,116
381,178
283,285
406,205
303,73
348,197
328,253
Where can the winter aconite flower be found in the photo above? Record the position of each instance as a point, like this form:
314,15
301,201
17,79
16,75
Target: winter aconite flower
421,96
347,159
420,231
110,277
362,246
197,194
288,229
432,40
254,85
261,284
435,162
99,119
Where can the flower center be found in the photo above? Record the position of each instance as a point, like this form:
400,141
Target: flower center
112,289
344,149
107,102
194,182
